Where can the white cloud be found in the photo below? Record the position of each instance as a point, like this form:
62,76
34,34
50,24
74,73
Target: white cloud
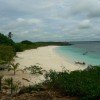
34,21
84,24
30,21
90,7
20,20
61,19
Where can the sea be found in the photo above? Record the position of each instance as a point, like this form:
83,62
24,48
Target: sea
87,51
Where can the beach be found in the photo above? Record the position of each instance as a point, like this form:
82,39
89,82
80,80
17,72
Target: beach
45,57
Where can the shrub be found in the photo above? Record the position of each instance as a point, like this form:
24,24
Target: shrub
31,88
4,40
84,84
6,53
34,69
18,47
13,86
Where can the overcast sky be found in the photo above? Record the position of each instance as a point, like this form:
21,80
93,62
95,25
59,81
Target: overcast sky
51,20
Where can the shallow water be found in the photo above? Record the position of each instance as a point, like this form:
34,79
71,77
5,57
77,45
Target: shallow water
88,52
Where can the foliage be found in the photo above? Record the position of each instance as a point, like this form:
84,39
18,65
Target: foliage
18,47
2,62
31,88
26,42
4,40
7,48
6,53
10,35
13,67
24,45
35,69
33,45
12,86
84,84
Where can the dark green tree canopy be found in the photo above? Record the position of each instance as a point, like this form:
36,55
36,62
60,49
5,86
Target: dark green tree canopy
10,35
26,42
4,40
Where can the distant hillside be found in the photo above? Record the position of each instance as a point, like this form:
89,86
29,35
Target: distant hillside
26,44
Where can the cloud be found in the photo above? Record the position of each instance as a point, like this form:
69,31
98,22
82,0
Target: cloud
90,7
20,20
50,19
84,24
29,21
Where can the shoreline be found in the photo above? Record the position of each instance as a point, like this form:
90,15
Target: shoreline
47,58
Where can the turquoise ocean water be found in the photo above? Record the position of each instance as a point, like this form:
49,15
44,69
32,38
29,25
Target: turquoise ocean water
88,52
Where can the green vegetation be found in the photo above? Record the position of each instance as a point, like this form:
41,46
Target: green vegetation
6,53
4,40
13,67
10,35
24,45
35,69
26,42
83,84
7,49
10,85
30,88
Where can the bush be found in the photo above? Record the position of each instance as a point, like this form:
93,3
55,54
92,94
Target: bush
13,87
6,53
18,47
84,84
34,69
4,40
31,88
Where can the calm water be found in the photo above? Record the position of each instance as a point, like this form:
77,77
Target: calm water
88,52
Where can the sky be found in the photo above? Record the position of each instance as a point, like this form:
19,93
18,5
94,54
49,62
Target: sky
51,20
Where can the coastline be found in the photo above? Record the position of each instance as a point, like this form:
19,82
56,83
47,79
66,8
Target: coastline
47,58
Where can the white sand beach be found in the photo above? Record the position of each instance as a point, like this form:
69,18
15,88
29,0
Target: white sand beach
45,57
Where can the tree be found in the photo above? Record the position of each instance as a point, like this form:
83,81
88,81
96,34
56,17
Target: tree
6,53
4,40
10,35
14,67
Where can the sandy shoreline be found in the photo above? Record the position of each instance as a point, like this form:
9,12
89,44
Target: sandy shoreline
47,58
